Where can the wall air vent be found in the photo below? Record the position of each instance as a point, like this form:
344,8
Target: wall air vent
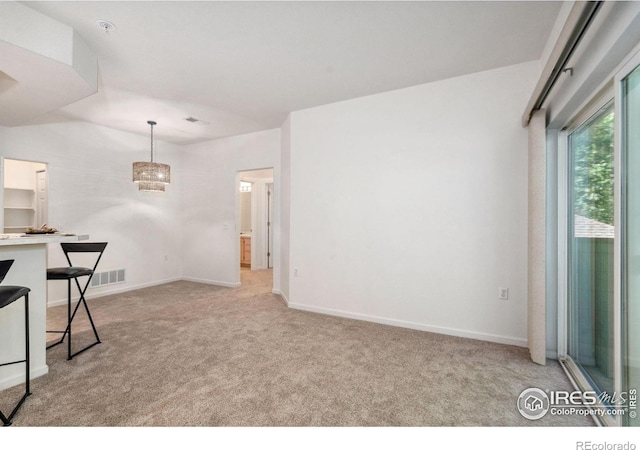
109,277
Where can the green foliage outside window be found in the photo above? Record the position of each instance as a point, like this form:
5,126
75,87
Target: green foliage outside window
593,170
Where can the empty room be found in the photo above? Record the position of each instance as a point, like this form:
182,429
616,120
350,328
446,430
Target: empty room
319,214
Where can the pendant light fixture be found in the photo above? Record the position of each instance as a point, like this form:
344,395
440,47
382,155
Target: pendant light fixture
151,176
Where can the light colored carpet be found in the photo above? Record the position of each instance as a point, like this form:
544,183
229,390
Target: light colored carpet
188,354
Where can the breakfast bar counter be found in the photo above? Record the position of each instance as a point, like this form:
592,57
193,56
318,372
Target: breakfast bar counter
30,270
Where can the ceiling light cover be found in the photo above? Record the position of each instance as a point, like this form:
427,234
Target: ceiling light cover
151,176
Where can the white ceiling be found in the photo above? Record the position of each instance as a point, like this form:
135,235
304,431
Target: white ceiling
242,66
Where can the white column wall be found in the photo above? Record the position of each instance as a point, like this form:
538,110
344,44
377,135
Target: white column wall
282,261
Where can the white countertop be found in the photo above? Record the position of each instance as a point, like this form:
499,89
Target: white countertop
24,239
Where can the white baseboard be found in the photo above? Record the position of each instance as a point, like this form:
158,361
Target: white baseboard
413,325
213,282
6,383
284,297
332,312
92,294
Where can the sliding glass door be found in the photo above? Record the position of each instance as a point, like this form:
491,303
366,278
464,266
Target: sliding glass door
590,242
599,330
630,283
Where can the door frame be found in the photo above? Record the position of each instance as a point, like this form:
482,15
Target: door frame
39,211
595,104
256,214
631,64
269,210
601,99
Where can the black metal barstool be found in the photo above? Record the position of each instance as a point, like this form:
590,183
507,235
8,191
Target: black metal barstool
73,273
8,295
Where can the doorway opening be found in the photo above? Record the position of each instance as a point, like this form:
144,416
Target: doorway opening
255,220
25,195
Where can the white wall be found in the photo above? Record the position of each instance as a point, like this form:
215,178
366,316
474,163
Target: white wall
91,192
211,248
410,207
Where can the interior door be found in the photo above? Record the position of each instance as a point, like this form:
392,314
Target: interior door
42,198
269,225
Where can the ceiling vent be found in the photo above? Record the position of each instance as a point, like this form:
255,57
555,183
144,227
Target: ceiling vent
195,120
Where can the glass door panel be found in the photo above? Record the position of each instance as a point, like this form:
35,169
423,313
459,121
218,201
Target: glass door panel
631,233
591,246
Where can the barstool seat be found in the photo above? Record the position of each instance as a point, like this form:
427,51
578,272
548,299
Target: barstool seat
64,273
8,295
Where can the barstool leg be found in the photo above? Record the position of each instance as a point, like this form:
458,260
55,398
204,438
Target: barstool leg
71,315
86,308
26,340
69,319
6,421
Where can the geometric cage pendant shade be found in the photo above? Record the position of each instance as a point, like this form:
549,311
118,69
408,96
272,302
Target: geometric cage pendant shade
151,176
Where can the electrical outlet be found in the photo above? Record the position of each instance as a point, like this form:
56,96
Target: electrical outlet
503,293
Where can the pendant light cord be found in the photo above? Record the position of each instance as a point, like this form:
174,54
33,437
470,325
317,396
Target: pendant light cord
152,123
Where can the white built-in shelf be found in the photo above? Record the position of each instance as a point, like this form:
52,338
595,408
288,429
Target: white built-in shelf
19,209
